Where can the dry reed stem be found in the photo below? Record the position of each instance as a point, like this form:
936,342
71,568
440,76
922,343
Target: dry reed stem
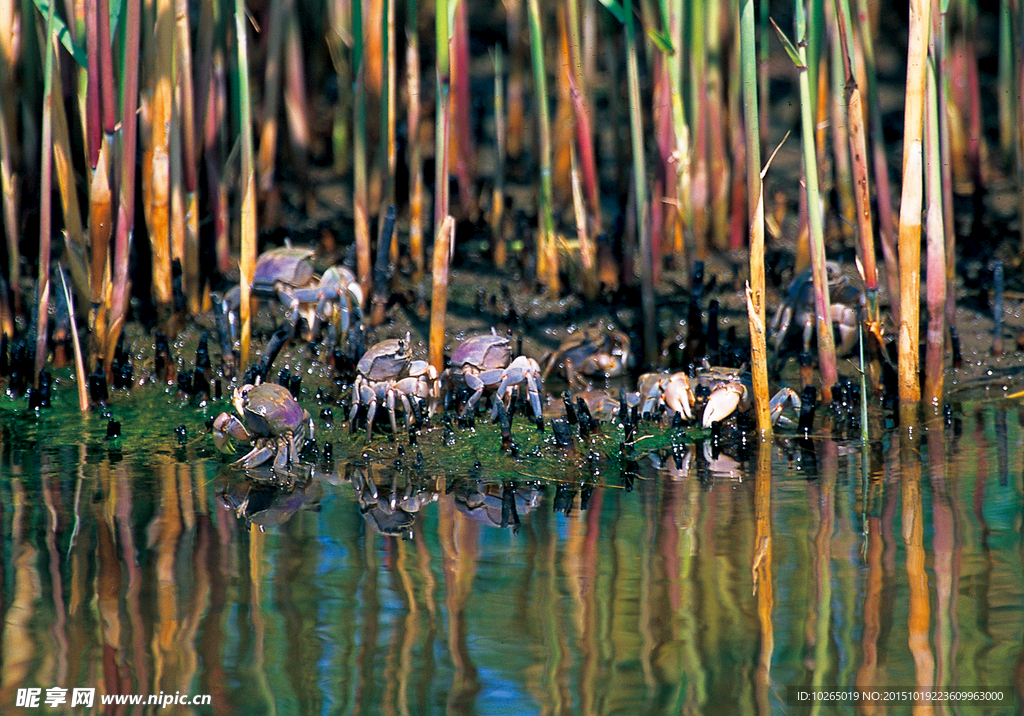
444,247
187,129
911,203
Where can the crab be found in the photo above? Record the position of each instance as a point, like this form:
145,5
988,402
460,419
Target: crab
286,274
270,420
729,390
387,376
484,364
594,351
847,308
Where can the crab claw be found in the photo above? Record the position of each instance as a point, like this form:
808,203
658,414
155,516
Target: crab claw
723,402
225,427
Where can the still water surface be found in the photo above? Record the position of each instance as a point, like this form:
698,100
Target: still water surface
689,585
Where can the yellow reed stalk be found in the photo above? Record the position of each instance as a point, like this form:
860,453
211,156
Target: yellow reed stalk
101,227
62,164
444,246
8,123
160,161
189,157
247,228
910,208
588,258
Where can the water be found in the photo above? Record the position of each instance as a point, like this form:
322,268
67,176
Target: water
699,586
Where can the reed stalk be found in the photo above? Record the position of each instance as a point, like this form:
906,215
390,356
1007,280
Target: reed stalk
650,324
117,296
80,372
76,246
101,196
883,191
673,12
442,121
823,312
1005,79
859,158
499,247
516,119
936,256
361,190
589,177
189,158
839,121
756,295
588,258
159,170
45,208
8,131
389,115
939,40
412,64
462,155
910,208
247,224
716,114
699,190
444,245
547,249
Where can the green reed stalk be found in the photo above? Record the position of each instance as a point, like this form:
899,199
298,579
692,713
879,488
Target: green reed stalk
412,64
879,160
756,295
547,252
936,258
699,189
910,208
118,295
859,158
650,333
45,208
98,151
361,198
247,260
499,247
823,311
1005,79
